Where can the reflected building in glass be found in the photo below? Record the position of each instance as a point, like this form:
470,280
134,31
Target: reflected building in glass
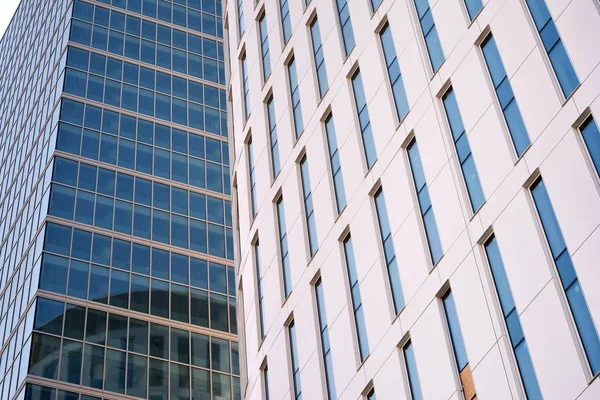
116,273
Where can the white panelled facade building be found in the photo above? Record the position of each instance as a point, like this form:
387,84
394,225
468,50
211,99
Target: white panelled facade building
416,198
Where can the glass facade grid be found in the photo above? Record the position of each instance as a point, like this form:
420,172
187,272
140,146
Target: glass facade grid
346,25
264,46
432,40
362,110
394,73
319,57
295,98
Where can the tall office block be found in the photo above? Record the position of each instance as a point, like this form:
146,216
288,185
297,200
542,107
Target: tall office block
117,273
450,151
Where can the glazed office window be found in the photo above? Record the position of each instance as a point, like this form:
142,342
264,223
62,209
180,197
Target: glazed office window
463,150
283,247
359,317
144,90
264,46
505,95
346,25
135,206
144,146
246,86
425,207
325,343
473,8
265,373
309,210
432,40
393,70
294,361
512,320
241,25
259,287
591,138
319,57
568,276
412,372
286,23
295,95
371,395
335,165
252,174
375,4
149,42
389,252
553,46
364,120
129,275
273,139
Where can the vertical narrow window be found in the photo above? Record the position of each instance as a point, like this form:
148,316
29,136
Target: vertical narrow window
375,4
511,318
259,287
283,247
346,25
458,346
294,361
431,231
246,86
273,136
286,24
364,119
295,93
394,73
371,395
252,177
554,46
463,150
389,252
325,344
505,95
265,372
411,371
432,40
336,166
264,46
473,8
359,317
591,137
308,207
568,276
240,10
319,58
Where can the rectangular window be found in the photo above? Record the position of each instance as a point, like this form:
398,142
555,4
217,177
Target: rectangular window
265,372
591,137
240,9
505,95
246,86
463,150
554,46
252,177
264,46
308,207
375,4
325,345
319,58
283,247
295,93
458,345
411,371
473,8
294,361
568,276
389,252
359,318
364,119
511,318
394,73
371,395
286,23
334,163
431,231
259,287
432,40
273,136
346,25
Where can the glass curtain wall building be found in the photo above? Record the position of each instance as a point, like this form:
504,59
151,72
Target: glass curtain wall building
423,179
116,275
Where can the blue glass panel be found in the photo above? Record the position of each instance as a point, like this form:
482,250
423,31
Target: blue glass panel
591,137
455,331
585,326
